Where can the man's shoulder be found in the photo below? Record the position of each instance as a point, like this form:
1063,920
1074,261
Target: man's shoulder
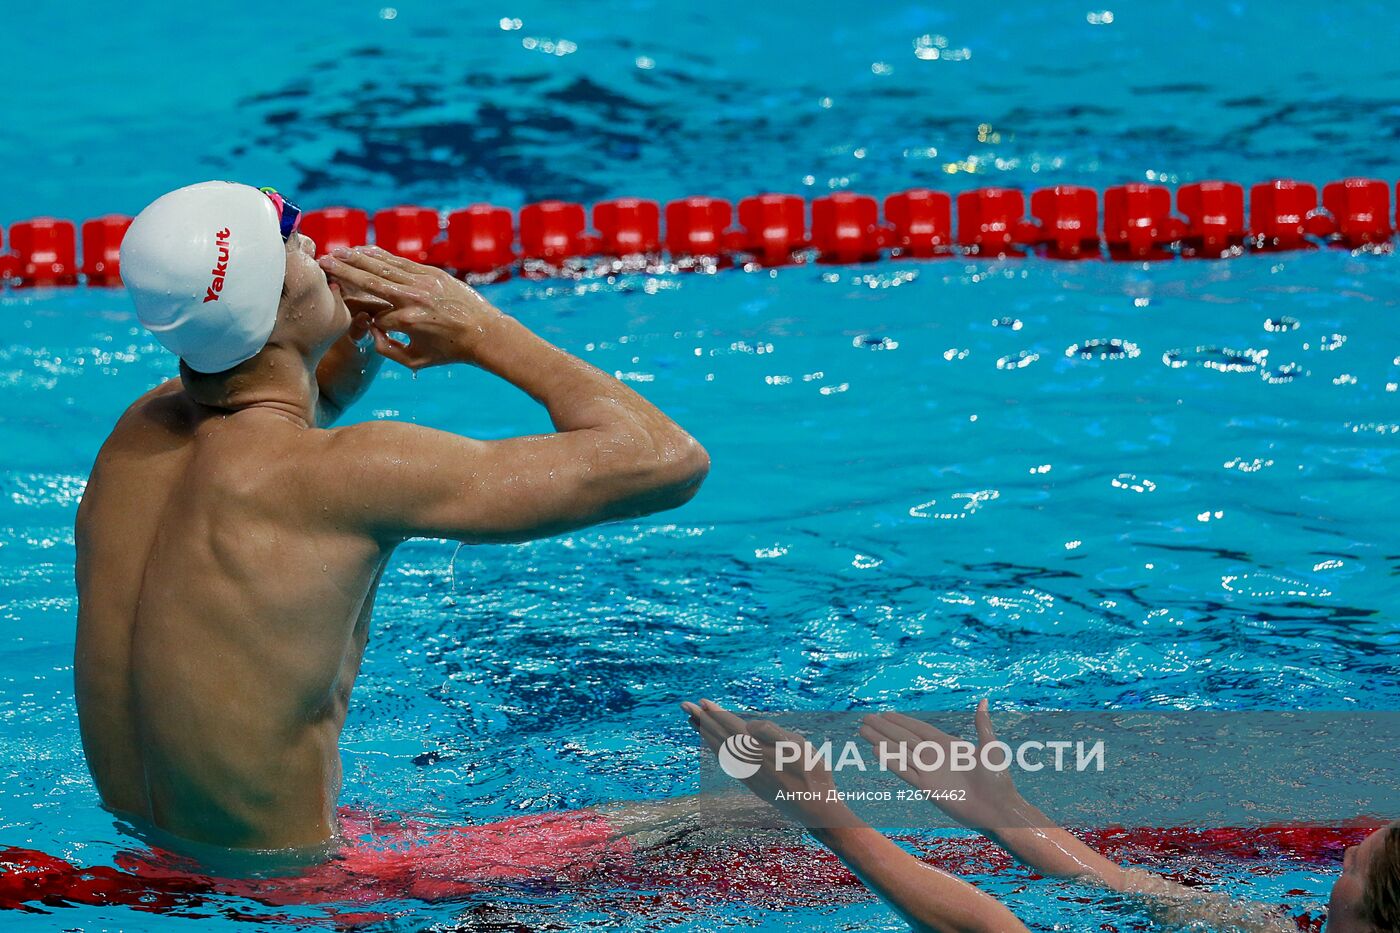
164,401
376,476
390,453
376,435
375,446
152,418
370,435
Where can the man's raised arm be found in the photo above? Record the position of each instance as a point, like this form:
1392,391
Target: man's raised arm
614,454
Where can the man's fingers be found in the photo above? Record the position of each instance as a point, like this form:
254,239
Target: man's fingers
362,302
346,273
391,349
364,280
381,336
376,261
359,325
398,319
407,265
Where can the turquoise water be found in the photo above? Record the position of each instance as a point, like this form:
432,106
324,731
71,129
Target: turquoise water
1062,486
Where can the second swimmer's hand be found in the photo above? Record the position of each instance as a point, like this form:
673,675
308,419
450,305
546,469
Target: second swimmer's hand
981,798
803,791
444,318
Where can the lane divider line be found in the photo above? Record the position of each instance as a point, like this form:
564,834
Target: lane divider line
485,243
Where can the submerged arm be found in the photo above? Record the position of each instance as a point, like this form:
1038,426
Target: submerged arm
930,900
991,804
927,898
1055,851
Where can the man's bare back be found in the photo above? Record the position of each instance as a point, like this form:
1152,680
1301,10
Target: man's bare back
228,553
223,620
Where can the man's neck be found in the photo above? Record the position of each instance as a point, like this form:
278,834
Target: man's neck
282,381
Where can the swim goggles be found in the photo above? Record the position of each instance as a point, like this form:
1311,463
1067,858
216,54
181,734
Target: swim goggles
288,214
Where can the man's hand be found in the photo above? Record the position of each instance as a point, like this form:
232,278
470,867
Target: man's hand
444,318
989,799
612,455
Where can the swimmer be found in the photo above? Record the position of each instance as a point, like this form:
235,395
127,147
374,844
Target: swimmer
1365,899
230,541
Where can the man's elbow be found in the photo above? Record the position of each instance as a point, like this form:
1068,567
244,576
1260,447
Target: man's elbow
660,471
682,465
649,472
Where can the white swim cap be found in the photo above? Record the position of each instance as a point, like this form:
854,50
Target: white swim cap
204,265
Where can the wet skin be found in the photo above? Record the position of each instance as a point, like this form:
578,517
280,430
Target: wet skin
229,542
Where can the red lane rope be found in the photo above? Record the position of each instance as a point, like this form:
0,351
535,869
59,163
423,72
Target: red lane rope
777,874
486,243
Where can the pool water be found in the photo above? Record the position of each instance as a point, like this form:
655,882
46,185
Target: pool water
1077,486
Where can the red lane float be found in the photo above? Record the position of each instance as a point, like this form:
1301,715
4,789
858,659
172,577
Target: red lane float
774,228
628,227
1283,214
46,251
846,228
1214,212
552,231
1068,218
1138,222
336,228
921,222
409,231
102,240
1360,209
9,263
991,222
698,227
480,240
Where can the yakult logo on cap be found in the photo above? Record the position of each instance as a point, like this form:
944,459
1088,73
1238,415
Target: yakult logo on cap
220,266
